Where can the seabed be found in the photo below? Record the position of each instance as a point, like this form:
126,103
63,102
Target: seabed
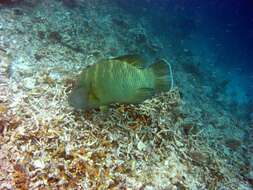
168,142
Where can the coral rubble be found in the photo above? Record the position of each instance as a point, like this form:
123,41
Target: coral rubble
163,143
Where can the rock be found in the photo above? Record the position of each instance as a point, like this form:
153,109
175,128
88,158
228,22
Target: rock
3,109
29,83
39,164
141,146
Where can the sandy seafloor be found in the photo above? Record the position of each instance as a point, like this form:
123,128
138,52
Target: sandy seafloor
189,138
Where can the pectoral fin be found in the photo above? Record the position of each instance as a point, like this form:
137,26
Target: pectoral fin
92,94
162,73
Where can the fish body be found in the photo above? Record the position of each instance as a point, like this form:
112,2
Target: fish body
124,79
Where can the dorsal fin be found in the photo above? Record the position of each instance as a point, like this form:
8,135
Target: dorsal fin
132,59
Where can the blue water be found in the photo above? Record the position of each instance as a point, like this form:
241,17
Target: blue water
220,31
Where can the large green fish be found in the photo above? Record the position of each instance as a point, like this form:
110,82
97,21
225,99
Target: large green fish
123,79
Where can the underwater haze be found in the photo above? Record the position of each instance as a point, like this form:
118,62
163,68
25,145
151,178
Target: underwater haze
219,31
126,94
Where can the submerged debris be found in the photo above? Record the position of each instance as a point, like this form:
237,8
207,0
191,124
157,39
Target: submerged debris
55,37
233,144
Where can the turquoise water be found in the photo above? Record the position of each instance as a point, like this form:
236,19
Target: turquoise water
196,136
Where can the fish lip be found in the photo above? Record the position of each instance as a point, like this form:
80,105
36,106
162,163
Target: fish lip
73,103
70,100
78,99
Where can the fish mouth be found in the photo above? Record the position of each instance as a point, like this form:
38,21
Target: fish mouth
76,99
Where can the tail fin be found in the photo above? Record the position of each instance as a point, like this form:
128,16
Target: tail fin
163,75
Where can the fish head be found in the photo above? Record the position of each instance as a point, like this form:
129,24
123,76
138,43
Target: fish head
78,98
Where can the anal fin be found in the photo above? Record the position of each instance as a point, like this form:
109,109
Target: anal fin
104,108
142,94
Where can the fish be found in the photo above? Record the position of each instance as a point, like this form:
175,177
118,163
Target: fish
125,80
